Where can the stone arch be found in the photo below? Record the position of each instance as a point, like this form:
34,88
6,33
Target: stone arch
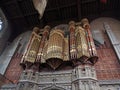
54,87
4,32
98,28
5,22
23,39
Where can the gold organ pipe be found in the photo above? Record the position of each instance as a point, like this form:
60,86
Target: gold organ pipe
55,44
42,43
73,51
82,46
91,44
31,51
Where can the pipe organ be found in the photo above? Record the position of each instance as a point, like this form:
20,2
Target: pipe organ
55,47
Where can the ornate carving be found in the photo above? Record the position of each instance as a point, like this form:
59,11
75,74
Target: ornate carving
42,43
32,47
82,46
73,51
92,51
61,46
78,78
55,48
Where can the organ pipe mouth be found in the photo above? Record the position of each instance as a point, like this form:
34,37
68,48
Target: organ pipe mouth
36,29
85,23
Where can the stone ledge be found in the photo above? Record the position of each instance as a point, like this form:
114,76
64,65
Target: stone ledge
8,86
109,82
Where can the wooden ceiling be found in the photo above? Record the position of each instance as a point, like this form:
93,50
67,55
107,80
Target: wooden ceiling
22,15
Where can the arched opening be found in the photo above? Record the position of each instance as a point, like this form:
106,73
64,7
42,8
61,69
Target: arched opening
0,24
54,88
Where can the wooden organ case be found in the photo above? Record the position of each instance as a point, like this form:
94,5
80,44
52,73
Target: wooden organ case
54,46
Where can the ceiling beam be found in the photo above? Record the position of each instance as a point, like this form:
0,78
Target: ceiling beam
7,3
63,6
87,1
21,16
79,9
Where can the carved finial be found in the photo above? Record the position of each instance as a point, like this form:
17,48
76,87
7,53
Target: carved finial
71,23
85,23
36,29
47,27
85,20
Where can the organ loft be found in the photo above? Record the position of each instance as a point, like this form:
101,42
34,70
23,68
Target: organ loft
61,58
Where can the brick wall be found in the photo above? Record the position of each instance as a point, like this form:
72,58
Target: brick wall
14,69
108,66
14,53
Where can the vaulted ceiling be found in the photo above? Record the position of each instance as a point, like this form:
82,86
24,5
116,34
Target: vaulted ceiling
22,15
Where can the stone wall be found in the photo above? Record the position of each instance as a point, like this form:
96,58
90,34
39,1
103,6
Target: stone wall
79,78
109,84
14,69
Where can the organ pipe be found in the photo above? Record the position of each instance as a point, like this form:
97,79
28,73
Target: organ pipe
73,51
81,42
55,44
42,43
66,49
32,47
90,41
54,56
